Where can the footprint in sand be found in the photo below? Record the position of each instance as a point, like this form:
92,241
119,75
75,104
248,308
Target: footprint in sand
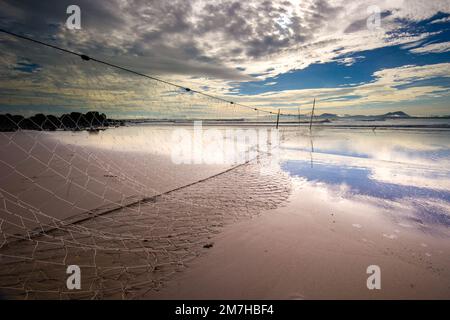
297,296
390,236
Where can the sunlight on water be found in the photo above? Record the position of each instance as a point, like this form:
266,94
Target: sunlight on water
407,172
404,172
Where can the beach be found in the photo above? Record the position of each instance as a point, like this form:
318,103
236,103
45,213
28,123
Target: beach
314,254
225,157
303,219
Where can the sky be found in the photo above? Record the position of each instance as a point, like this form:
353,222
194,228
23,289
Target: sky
353,57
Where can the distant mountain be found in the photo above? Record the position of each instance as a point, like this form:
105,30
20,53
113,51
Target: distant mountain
389,115
328,116
396,114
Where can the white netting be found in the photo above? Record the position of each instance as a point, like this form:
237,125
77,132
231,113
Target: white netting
78,188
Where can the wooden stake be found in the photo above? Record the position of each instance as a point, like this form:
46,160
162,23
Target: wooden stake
278,117
312,114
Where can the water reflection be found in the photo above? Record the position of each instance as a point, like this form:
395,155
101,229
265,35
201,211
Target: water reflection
408,169
391,167
406,146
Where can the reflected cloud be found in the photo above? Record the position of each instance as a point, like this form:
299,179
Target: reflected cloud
404,172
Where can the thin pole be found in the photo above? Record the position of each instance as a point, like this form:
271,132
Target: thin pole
312,114
278,117
299,115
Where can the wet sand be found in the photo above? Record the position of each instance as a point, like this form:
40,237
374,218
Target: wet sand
128,250
60,176
311,250
359,198
133,251
305,228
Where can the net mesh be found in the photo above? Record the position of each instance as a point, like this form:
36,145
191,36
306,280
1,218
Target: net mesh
107,200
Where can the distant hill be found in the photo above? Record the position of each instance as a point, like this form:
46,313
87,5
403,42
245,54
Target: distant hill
389,115
396,114
328,116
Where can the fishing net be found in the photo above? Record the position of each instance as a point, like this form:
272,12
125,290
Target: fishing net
82,184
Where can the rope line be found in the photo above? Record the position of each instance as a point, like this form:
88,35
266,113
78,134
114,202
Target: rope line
112,65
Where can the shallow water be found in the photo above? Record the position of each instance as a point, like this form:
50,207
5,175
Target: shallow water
406,171
394,168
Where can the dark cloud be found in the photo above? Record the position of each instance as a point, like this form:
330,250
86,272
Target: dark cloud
39,16
172,36
207,39
261,30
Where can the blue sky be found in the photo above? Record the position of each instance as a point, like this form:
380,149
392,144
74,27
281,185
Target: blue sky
334,74
361,70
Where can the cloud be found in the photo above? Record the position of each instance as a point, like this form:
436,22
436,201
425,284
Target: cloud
210,45
348,61
27,67
229,40
391,85
442,20
433,48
